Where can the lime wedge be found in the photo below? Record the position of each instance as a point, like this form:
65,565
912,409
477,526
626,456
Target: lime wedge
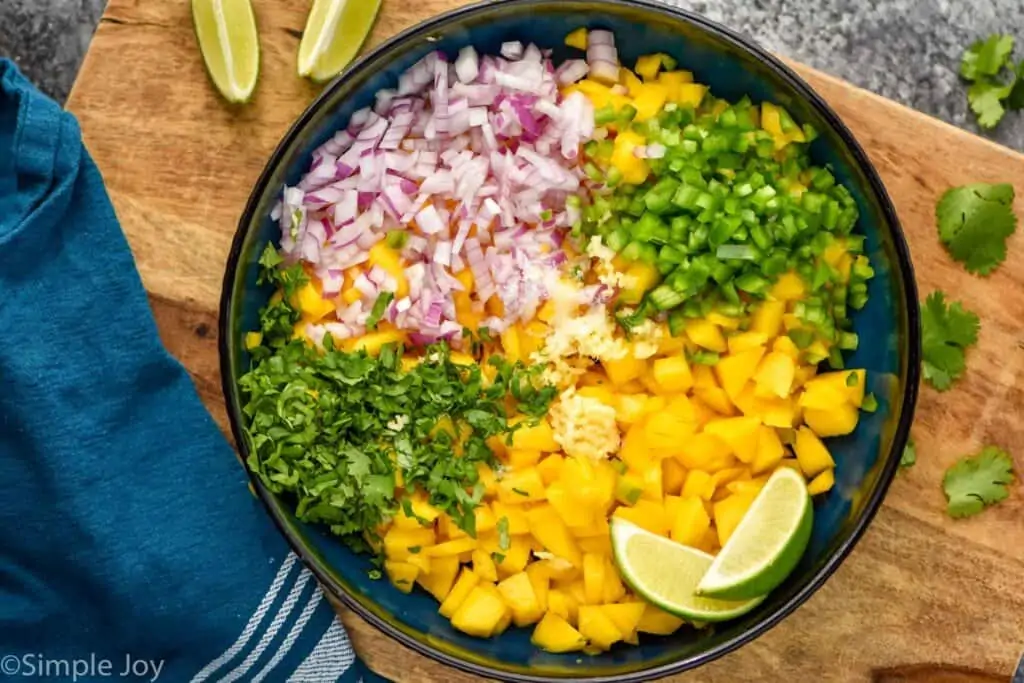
334,33
666,573
226,31
767,544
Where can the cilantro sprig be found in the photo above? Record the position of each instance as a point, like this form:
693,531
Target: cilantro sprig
974,222
278,317
976,481
946,333
996,84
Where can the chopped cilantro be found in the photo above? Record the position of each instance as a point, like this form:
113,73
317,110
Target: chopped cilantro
974,222
870,404
520,492
909,456
992,91
317,427
704,357
374,574
498,558
986,101
414,549
504,542
946,333
278,318
379,307
975,481
851,379
986,57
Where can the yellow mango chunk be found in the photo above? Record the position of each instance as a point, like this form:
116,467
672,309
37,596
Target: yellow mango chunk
510,344
770,451
561,603
480,613
691,94
705,452
672,374
401,574
840,420
666,432
840,382
735,370
596,627
629,408
635,451
638,278
699,484
541,582
624,370
450,548
373,342
517,592
648,66
789,287
550,468
398,541
658,622
518,458
522,486
672,476
515,558
744,341
551,532
577,39
774,376
568,506
740,433
767,318
483,565
614,590
603,393
460,591
646,514
252,340
630,80
822,483
811,453
649,100
728,512
786,345
311,303
690,522
626,616
555,634
593,578
441,578
634,170
517,524
706,335
538,437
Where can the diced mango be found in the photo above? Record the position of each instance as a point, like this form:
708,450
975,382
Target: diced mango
603,393
767,318
840,381
666,433
789,287
401,574
705,452
625,615
596,627
744,341
555,634
541,582
373,342
480,613
634,451
398,541
822,483
391,262
562,604
614,590
769,451
740,433
646,514
690,522
624,370
650,100
774,376
550,468
460,591
517,592
441,578
672,374
699,484
648,66
577,39
672,476
840,420
691,94
593,578
734,370
517,524
658,622
551,532
706,335
483,565
811,453
634,170
728,513
521,486
538,437
568,506
629,408
451,548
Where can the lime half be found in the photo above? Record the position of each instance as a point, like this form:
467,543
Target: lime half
767,544
335,31
226,31
666,573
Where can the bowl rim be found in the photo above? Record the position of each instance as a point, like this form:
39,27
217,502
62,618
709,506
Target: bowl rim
908,398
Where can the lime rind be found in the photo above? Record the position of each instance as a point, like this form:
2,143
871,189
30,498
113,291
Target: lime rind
676,596
229,42
334,33
767,544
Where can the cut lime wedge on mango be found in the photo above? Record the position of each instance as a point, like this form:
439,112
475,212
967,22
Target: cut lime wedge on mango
335,31
767,544
666,574
226,31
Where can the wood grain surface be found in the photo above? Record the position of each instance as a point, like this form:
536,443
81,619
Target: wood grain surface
921,599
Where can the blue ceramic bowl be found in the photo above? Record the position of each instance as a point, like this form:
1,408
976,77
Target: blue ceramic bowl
888,326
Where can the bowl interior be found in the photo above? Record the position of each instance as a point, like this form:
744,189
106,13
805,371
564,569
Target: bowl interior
865,459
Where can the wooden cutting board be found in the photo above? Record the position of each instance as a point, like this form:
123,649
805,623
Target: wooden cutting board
922,598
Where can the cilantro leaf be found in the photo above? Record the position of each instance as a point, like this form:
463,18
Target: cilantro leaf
974,222
986,57
986,101
504,542
909,456
946,332
975,481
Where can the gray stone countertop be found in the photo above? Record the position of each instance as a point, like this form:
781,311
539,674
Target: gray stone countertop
906,50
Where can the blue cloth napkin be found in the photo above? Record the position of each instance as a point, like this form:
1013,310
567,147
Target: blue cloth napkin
128,539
